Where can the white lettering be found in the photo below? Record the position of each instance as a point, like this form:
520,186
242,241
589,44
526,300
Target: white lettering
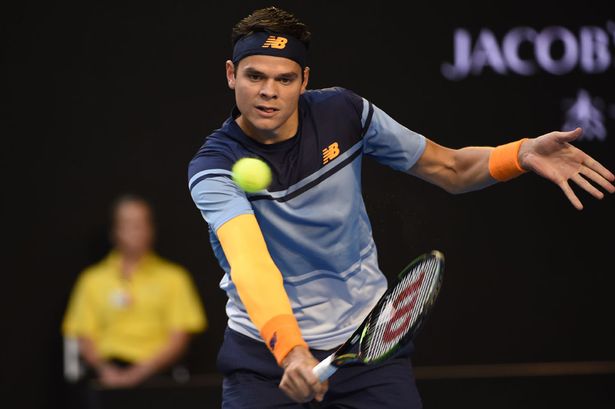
544,43
595,56
461,68
487,53
555,50
512,44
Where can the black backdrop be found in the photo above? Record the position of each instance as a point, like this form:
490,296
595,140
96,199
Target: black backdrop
103,99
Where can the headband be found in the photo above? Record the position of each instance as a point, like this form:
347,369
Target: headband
264,43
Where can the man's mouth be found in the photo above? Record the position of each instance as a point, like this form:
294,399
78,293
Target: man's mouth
266,109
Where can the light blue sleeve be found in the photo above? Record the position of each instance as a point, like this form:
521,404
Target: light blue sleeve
389,142
219,199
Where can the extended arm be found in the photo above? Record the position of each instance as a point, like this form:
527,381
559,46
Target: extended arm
550,155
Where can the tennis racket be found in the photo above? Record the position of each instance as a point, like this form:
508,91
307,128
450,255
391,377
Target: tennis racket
396,318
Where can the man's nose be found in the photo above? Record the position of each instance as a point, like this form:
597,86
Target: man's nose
269,89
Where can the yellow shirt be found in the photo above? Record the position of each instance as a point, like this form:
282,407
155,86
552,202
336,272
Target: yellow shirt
132,319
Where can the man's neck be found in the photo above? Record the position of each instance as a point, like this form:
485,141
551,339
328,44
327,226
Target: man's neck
283,133
129,263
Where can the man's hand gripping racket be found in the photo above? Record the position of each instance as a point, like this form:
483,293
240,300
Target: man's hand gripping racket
396,318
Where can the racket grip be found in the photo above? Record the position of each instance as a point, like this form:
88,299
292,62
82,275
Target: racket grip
325,368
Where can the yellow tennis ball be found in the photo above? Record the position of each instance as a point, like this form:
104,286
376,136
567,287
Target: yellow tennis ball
251,174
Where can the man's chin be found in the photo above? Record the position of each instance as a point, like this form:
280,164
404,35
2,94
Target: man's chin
266,127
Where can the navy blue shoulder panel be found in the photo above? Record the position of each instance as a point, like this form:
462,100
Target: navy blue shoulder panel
218,153
333,115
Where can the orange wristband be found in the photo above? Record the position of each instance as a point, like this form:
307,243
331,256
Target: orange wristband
504,161
281,334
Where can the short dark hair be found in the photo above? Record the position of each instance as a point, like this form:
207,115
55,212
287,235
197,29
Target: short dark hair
272,19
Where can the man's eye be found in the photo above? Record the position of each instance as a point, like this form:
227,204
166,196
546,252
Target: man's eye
254,77
285,81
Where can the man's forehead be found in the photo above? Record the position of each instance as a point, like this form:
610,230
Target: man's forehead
269,64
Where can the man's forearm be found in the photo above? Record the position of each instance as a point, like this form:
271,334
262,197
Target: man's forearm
260,284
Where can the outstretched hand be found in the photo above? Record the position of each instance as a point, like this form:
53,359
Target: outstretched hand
553,157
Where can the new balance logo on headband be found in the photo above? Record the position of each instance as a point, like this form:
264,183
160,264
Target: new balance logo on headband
275,42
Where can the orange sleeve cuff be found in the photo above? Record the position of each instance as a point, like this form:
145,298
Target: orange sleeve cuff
281,334
504,161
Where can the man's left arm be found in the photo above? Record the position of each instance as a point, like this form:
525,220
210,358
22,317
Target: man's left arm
551,156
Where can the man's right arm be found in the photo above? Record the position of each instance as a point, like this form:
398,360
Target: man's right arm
259,284
261,289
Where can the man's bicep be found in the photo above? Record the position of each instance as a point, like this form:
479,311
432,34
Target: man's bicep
435,164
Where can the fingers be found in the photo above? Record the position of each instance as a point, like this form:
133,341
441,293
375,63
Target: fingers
595,172
581,179
598,178
301,385
295,390
604,177
321,389
569,136
300,389
585,185
561,162
299,381
570,195
316,390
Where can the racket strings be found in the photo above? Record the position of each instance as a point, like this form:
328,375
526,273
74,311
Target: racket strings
401,310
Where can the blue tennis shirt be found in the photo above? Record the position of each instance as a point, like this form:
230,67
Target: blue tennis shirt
312,216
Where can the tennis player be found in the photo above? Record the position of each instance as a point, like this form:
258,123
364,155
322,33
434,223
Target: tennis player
300,262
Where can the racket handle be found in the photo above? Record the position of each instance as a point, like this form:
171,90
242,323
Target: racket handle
325,368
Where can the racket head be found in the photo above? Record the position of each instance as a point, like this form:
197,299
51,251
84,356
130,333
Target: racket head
402,309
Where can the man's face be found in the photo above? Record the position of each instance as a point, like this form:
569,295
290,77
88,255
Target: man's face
267,93
133,231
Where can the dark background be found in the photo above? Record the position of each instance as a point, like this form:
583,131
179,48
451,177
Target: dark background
103,99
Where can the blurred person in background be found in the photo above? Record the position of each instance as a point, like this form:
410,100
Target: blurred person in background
133,313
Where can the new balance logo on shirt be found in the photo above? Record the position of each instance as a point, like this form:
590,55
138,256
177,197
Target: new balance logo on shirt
330,153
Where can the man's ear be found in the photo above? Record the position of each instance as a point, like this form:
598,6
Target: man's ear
306,76
230,74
